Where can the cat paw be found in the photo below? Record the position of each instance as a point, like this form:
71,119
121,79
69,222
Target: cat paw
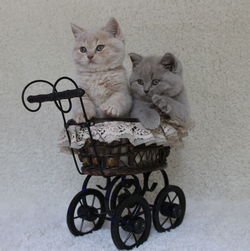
149,119
157,100
161,104
110,110
151,124
166,109
79,118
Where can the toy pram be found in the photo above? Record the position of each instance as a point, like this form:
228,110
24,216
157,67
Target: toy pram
121,200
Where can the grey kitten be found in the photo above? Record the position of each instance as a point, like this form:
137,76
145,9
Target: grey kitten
157,85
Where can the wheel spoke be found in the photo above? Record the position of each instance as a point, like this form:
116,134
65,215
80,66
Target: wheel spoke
127,192
79,216
164,221
169,200
136,207
174,198
94,223
129,235
81,225
171,222
93,201
129,211
135,238
139,213
81,203
136,210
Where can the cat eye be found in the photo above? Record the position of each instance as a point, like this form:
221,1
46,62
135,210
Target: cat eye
155,81
140,81
100,47
83,49
168,67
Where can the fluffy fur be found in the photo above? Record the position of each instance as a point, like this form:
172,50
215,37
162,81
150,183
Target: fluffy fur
98,56
157,84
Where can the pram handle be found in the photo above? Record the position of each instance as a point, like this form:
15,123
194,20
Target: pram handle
79,92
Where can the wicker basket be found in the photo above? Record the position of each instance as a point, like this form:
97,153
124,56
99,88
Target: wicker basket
121,158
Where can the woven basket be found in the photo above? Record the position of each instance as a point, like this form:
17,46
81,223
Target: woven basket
121,158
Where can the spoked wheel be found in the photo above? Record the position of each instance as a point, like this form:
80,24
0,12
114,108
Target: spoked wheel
86,212
131,223
169,208
123,190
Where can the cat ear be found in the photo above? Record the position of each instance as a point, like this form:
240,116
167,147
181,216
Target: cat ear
169,61
76,30
135,59
113,27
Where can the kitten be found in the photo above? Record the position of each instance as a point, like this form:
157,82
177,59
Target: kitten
98,56
157,85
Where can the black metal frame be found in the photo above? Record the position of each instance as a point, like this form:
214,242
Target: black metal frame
155,155
56,97
122,179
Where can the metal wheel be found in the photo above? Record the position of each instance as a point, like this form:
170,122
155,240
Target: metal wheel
169,208
86,212
131,223
123,190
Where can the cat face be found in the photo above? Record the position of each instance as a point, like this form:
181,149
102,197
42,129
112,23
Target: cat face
155,75
98,50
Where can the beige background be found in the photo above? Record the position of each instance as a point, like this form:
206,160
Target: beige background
212,38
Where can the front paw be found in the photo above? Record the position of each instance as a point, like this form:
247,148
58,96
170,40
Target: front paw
161,103
151,123
79,117
149,119
110,110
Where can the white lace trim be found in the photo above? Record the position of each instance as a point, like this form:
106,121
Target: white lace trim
115,130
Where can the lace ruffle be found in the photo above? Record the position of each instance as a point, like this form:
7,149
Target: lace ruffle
114,130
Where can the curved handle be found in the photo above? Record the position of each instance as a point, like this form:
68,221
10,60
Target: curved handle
56,96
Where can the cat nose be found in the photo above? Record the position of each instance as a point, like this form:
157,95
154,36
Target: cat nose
146,91
90,56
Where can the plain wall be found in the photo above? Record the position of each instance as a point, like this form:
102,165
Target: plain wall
210,37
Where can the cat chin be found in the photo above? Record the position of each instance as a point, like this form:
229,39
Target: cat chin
146,99
95,67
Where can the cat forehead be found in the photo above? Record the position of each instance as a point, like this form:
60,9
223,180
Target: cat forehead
91,37
150,67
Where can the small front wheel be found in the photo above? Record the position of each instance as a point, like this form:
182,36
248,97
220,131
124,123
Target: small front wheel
131,223
169,208
86,212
